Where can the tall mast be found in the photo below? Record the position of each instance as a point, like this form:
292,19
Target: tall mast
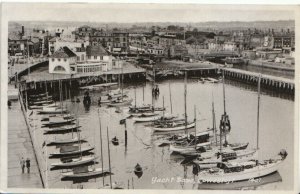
258,103
153,87
143,94
163,107
214,119
101,150
224,117
122,82
135,97
46,90
224,100
195,126
109,159
185,93
170,98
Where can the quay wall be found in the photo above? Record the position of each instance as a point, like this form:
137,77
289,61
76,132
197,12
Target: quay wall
271,65
38,156
267,81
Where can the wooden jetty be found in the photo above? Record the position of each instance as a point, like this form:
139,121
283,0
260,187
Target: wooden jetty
267,81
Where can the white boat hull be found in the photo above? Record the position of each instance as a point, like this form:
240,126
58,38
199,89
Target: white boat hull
247,174
182,127
72,152
187,149
76,162
241,157
97,171
146,119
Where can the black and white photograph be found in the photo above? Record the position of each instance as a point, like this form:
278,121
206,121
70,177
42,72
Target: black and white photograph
185,97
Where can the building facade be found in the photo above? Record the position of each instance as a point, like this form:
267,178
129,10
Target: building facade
63,61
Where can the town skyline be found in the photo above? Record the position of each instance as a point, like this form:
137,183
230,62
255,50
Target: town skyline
129,13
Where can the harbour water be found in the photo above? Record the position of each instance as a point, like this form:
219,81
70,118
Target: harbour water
162,170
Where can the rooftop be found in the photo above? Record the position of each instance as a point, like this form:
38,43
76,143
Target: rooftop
96,51
63,52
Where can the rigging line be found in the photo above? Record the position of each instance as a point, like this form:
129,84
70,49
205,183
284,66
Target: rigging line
140,140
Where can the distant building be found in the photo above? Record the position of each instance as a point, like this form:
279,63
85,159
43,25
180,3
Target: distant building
83,32
177,51
155,50
171,40
76,46
96,54
221,38
116,42
98,60
63,61
230,46
20,47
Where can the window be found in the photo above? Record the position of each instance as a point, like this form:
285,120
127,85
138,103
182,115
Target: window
101,57
58,59
65,59
53,59
89,57
59,68
78,58
95,57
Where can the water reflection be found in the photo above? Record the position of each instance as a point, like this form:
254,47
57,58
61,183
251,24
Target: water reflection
142,146
252,184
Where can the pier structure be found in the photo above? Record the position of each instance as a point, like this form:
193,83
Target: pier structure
279,84
17,70
21,144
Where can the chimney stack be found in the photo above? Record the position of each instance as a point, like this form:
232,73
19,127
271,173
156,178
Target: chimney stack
288,30
23,31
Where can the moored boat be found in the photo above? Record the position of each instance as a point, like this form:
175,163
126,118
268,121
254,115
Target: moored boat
66,141
74,161
86,173
52,110
58,121
63,129
174,127
121,102
147,117
238,171
72,151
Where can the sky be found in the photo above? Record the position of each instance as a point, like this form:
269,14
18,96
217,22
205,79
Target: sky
144,12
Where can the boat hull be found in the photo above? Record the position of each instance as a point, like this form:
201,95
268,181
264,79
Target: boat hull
247,174
146,119
72,153
174,128
95,172
74,163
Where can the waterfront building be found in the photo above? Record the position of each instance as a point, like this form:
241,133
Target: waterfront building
115,42
138,41
155,50
56,43
170,40
214,45
83,32
63,61
98,60
20,47
177,51
230,46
